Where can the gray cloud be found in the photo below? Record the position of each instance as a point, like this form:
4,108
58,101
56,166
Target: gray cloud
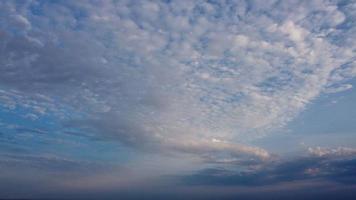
303,169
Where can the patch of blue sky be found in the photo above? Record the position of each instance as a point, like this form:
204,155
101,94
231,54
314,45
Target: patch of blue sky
330,113
276,83
328,122
48,135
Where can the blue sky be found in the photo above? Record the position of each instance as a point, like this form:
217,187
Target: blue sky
196,99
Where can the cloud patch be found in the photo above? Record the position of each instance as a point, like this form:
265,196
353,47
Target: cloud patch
306,169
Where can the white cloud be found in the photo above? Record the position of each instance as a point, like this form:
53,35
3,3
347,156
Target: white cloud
154,71
208,148
340,88
339,151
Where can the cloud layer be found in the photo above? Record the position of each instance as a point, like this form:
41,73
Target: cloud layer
182,75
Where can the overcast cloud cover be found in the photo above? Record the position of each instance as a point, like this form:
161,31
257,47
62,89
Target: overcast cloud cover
114,98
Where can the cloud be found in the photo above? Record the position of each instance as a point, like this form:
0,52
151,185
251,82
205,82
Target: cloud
208,149
162,74
305,169
322,175
340,88
327,152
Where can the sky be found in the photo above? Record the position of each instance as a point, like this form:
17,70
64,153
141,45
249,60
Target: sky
178,99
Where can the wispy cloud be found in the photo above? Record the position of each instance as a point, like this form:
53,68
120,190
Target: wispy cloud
327,152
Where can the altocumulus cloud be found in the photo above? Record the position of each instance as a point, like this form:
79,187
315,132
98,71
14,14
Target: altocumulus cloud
201,78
